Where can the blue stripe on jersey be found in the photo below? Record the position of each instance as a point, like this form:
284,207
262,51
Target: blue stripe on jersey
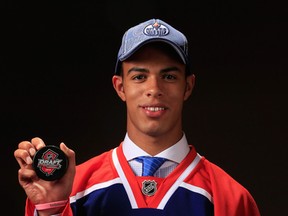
113,200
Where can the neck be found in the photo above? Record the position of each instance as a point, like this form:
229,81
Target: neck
155,144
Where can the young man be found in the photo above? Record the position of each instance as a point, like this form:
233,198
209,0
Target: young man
154,79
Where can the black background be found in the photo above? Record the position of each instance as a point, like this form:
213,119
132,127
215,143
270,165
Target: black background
57,61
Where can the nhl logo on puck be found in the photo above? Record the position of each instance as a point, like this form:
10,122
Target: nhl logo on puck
149,187
50,163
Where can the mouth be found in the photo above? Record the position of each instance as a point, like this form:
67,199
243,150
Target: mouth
154,108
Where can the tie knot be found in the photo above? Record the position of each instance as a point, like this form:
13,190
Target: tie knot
150,164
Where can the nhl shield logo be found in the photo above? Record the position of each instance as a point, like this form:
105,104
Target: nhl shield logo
149,187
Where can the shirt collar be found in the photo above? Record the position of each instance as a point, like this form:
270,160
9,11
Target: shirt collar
175,153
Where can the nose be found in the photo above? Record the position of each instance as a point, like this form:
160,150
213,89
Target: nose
154,88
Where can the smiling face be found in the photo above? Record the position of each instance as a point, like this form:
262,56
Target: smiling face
154,87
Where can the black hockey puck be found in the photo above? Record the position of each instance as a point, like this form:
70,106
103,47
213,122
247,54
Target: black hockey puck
50,163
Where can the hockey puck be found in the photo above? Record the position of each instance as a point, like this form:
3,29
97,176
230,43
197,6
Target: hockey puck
50,163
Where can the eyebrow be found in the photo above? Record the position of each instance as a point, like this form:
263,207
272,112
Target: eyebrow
137,69
165,70
169,69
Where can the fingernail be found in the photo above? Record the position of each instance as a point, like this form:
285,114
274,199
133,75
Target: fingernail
28,160
64,145
32,151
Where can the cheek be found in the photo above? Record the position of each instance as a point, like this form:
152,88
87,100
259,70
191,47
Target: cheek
132,94
178,94
133,91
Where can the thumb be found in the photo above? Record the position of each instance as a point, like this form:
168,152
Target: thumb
71,158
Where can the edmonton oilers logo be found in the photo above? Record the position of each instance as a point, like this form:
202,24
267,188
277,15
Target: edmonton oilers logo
149,187
156,30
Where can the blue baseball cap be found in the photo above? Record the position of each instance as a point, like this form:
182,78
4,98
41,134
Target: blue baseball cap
151,31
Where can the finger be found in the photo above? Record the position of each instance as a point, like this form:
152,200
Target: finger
28,146
23,157
38,143
25,176
71,157
69,153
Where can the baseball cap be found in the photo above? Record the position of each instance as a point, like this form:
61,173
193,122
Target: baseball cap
151,31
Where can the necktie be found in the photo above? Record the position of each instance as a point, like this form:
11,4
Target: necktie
150,164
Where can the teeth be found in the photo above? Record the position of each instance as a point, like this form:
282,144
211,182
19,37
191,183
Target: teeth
154,109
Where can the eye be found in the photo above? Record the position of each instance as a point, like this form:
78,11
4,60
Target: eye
169,77
139,77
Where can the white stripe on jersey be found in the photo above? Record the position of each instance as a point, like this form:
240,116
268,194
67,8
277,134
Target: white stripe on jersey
179,181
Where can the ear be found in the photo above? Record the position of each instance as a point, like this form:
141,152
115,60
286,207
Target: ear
117,82
190,82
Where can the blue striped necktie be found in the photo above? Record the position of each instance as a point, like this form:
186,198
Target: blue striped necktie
150,164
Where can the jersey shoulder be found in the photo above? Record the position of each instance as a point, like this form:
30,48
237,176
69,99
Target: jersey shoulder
93,171
225,189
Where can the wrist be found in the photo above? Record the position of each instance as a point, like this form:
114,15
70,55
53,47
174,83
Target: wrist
51,208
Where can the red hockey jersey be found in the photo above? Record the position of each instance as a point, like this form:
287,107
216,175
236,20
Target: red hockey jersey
105,185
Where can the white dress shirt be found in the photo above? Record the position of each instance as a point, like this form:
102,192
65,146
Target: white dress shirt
174,155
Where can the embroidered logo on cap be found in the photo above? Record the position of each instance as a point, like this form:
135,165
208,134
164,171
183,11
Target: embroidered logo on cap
156,30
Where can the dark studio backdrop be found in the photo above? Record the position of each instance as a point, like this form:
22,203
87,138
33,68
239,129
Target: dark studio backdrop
57,61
